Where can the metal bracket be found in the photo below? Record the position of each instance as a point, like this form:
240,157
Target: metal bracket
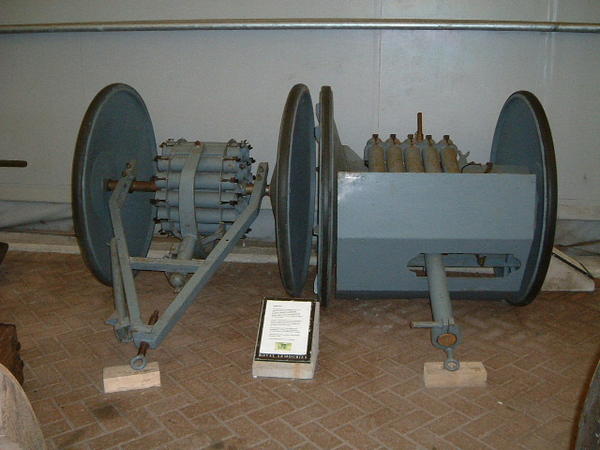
445,334
124,285
126,300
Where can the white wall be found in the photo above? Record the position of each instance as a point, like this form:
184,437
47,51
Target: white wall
213,85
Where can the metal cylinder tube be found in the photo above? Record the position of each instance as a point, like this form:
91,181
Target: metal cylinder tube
203,215
202,199
136,186
305,24
206,164
203,228
441,305
208,180
220,149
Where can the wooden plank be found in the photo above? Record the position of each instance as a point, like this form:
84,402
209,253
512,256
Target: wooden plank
124,378
470,374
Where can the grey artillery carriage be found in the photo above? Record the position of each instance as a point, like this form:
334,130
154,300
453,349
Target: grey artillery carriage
412,218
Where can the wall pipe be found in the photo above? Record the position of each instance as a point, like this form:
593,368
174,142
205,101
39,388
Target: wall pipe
303,24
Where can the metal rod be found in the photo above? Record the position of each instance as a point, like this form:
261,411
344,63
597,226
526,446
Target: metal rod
196,283
115,203
139,361
419,133
165,264
136,186
303,24
441,305
118,292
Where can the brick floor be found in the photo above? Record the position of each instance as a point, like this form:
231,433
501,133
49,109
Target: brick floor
368,392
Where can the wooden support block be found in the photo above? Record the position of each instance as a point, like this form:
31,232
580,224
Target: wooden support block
470,374
124,378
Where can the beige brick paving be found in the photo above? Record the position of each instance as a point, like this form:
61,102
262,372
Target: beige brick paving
368,392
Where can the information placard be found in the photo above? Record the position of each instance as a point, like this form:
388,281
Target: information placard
286,332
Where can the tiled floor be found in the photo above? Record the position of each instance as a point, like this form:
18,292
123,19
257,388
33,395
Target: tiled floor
368,391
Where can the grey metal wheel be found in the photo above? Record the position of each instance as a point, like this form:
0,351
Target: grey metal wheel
522,137
292,189
115,130
327,199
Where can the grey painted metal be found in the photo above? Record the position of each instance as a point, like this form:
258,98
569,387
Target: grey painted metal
113,144
186,247
203,180
207,164
121,322
495,168
495,262
116,203
192,288
116,128
304,24
429,213
438,289
293,188
229,149
441,307
522,137
165,264
154,334
203,228
187,216
202,198
224,168
327,194
203,215
185,251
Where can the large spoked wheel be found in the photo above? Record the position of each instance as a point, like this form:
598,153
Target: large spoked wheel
292,189
327,199
115,130
523,138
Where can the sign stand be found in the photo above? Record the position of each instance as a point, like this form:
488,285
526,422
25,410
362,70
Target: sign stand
287,345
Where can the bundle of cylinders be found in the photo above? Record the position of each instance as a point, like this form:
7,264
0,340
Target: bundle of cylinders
417,153
221,183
